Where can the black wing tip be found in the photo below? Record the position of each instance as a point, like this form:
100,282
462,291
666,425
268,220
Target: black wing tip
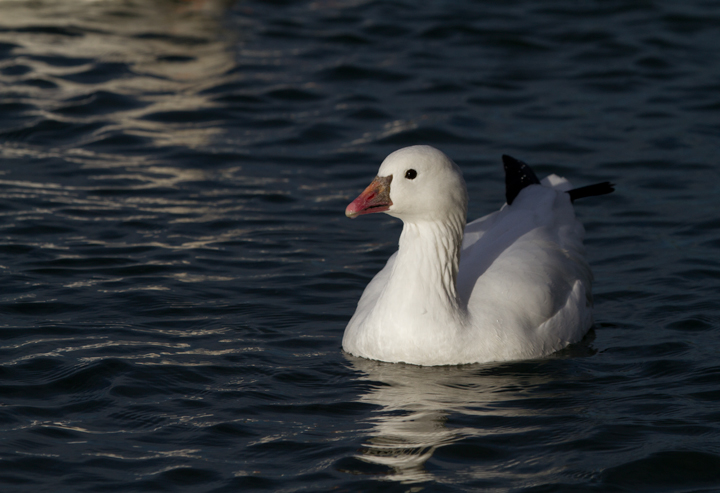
603,188
509,161
518,175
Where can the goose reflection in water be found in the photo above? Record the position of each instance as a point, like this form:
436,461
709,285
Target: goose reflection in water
426,409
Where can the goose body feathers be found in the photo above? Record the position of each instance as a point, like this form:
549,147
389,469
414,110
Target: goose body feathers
511,285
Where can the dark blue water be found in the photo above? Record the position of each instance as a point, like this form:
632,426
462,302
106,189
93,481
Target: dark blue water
177,270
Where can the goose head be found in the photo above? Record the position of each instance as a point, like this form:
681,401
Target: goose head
414,184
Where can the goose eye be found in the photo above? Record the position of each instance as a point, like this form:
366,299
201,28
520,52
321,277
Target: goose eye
410,174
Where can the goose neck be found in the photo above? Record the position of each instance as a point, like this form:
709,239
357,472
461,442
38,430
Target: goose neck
429,257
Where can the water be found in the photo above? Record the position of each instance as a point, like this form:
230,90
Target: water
177,270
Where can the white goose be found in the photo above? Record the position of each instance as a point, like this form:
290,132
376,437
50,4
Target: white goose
511,285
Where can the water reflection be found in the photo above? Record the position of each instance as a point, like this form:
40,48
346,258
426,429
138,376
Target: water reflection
101,69
99,90
418,404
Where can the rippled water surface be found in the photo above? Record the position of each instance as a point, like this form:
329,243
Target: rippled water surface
177,270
